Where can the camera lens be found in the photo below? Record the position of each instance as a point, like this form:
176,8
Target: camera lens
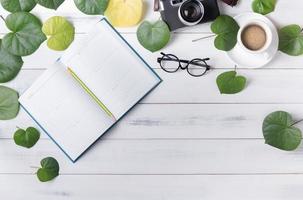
191,12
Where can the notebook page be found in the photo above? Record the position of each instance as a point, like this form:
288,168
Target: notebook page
112,70
65,111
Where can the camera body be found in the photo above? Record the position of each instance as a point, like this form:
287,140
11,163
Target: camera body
182,13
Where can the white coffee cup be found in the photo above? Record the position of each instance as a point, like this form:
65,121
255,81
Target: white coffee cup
268,32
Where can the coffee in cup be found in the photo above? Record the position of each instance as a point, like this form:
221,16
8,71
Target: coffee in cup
255,36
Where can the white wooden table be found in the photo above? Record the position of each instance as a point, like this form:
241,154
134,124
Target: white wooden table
184,141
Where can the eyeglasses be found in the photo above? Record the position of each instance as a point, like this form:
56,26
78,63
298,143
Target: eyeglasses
196,67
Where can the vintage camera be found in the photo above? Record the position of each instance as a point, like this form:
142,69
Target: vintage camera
182,13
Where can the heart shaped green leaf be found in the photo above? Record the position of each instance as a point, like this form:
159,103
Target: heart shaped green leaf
49,169
26,138
26,35
230,83
92,7
18,5
264,6
9,105
226,29
60,31
10,65
153,36
291,40
52,4
279,132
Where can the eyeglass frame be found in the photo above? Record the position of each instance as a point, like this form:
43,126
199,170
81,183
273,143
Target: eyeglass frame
187,62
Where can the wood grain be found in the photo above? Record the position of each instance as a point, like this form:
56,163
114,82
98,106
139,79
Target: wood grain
281,16
179,45
181,121
179,156
169,187
269,86
184,141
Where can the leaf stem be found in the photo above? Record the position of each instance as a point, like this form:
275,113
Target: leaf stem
198,39
2,18
236,68
301,120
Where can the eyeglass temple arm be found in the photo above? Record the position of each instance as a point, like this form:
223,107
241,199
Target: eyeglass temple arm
195,63
184,61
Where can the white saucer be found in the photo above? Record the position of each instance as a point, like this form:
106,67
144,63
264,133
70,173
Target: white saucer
249,60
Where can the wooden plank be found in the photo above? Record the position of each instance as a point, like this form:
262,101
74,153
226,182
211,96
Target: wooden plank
271,85
264,86
180,45
175,187
281,15
181,121
181,156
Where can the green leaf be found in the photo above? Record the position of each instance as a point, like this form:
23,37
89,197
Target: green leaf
26,138
9,105
26,35
153,36
18,5
10,65
226,29
279,132
92,7
49,169
230,83
52,4
291,40
264,6
60,31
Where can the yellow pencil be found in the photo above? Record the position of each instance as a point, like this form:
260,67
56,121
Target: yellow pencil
82,84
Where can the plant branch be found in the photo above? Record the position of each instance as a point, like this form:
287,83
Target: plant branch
301,120
210,36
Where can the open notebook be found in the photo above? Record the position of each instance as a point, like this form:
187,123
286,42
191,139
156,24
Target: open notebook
88,89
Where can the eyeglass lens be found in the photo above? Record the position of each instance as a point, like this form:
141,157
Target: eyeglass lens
197,67
170,63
